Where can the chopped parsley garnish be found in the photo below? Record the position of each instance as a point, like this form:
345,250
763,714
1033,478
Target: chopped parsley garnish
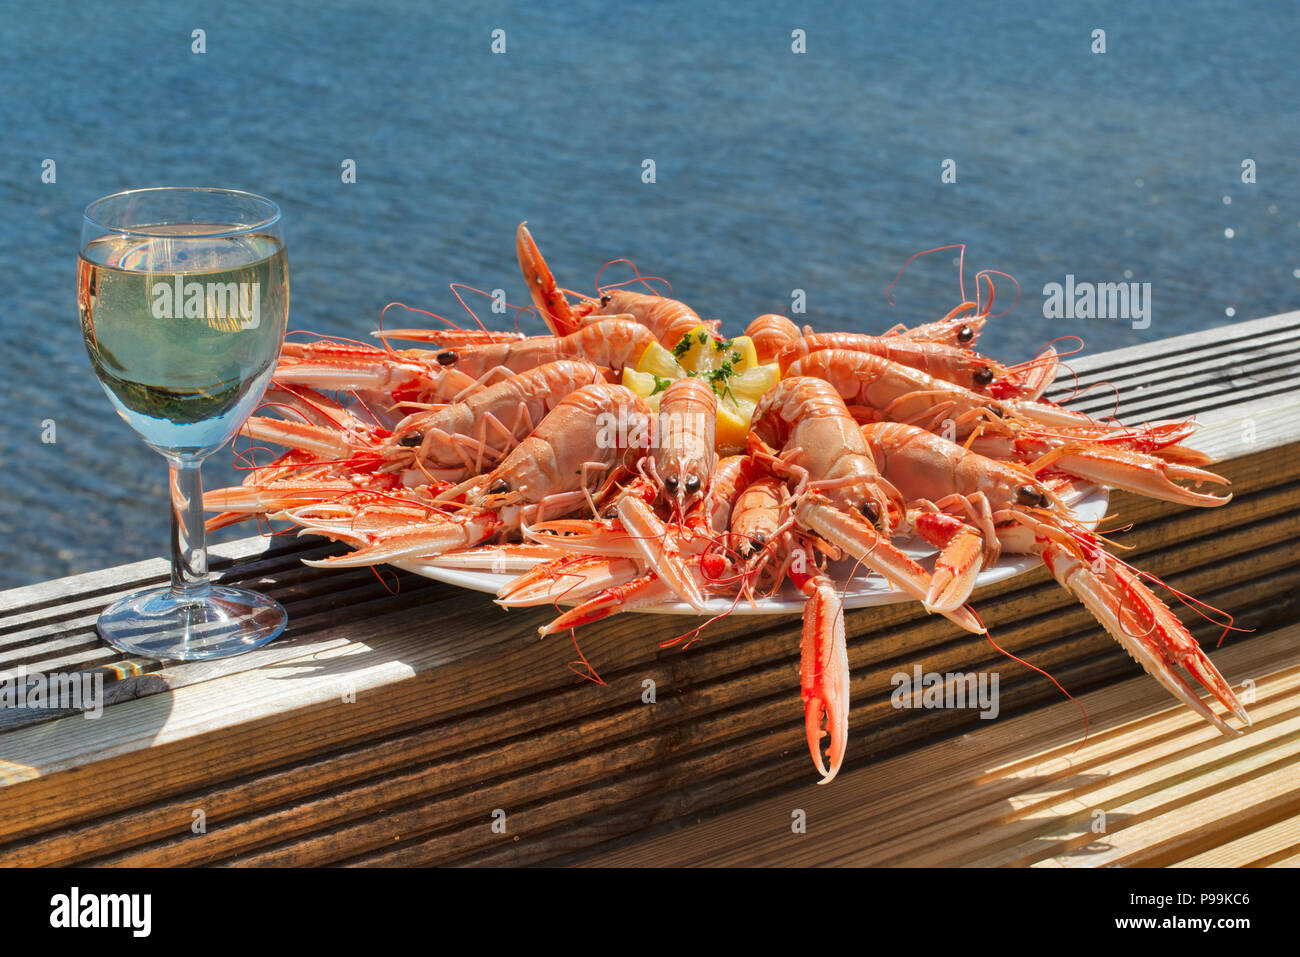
661,384
718,377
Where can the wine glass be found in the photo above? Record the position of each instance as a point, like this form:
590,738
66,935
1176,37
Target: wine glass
184,297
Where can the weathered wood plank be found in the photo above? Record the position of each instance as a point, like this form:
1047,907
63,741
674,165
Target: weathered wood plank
921,806
1254,849
792,662
1235,338
777,682
1186,375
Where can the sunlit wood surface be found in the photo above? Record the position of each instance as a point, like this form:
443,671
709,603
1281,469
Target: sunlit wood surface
400,728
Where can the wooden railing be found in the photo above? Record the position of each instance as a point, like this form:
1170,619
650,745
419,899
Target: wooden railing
400,728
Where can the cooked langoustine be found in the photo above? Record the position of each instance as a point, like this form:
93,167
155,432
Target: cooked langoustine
463,438
551,471
1145,460
956,364
668,319
959,492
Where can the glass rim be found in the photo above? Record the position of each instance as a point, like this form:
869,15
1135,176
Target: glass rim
151,230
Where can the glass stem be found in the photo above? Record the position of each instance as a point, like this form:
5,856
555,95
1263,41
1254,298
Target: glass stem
189,550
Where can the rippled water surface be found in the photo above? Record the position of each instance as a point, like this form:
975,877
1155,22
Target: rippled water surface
774,172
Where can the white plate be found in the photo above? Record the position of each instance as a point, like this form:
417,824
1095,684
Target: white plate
864,590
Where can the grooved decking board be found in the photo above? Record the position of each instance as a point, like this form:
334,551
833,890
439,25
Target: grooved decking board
1259,848
1187,374
1026,792
460,709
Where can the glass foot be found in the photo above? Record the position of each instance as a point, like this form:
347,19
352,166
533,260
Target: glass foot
224,621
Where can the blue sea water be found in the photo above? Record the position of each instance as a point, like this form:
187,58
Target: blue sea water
774,171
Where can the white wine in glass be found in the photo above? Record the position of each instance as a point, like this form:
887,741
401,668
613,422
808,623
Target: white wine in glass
184,297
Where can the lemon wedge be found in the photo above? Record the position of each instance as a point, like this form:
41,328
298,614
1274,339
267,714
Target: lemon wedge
659,361
749,386
732,430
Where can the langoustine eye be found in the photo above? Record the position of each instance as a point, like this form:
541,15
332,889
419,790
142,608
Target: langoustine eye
1030,496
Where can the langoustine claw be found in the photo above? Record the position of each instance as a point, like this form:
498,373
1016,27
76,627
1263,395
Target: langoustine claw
824,673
